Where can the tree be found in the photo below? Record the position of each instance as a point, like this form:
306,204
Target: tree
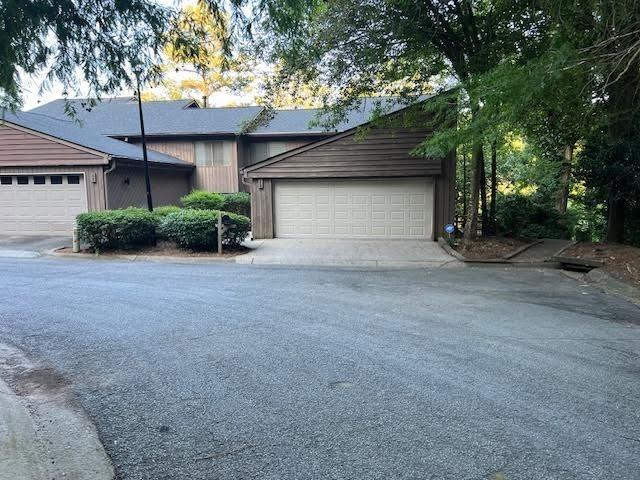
214,65
397,47
96,41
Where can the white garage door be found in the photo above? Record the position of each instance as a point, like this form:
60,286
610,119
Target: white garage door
40,204
385,208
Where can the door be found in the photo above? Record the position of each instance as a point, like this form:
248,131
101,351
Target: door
393,208
40,204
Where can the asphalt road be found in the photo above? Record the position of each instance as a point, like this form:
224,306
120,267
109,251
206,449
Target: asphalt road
234,372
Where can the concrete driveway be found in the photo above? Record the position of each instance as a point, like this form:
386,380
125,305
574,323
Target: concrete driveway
30,246
351,253
238,372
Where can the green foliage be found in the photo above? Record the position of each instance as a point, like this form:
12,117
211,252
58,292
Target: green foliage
165,210
528,217
239,203
97,41
203,200
117,229
195,229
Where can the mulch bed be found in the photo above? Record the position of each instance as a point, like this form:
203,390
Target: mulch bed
165,249
621,261
490,248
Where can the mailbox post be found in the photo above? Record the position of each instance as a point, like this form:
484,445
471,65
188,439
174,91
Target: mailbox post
224,222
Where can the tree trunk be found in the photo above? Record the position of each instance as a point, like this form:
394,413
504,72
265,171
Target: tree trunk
616,218
562,197
471,226
494,189
465,204
482,172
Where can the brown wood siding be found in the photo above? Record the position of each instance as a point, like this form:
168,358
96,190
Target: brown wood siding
20,147
375,153
444,196
93,177
221,179
126,186
261,208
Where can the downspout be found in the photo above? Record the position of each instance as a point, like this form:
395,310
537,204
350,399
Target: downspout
106,185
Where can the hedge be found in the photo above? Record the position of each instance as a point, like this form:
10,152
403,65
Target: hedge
117,229
201,200
196,229
238,203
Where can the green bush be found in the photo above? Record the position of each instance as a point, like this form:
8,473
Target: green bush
117,229
162,212
201,200
529,216
239,203
196,229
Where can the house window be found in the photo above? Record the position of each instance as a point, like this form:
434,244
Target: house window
56,179
38,180
5,180
23,180
213,154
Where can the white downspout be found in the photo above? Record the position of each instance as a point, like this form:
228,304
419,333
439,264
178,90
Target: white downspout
106,187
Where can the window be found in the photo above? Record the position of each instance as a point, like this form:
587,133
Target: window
6,180
23,180
39,180
262,150
56,179
73,179
213,154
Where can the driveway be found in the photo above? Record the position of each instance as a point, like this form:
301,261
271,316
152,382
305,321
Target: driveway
30,246
238,372
351,253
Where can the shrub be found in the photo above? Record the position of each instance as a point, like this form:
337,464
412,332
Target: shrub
162,212
117,229
201,200
197,229
529,216
239,203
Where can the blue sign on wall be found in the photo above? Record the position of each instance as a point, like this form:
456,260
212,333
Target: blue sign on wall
449,228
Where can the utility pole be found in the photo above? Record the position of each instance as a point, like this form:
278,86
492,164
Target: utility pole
147,179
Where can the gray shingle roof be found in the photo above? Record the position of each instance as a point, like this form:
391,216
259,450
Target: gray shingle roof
119,117
85,137
310,120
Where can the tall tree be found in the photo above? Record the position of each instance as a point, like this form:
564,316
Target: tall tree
366,47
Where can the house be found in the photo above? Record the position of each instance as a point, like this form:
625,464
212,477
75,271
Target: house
54,166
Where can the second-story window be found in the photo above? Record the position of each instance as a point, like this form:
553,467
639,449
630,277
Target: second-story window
213,154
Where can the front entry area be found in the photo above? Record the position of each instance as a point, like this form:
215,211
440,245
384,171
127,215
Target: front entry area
41,204
383,209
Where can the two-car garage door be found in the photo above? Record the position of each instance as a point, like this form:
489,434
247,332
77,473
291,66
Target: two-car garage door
363,208
40,204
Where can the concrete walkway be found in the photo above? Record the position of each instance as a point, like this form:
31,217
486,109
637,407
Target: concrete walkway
349,253
542,252
13,246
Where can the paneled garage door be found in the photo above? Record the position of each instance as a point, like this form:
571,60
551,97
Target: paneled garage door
40,204
384,209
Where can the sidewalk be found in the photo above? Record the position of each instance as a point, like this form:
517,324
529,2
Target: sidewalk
44,435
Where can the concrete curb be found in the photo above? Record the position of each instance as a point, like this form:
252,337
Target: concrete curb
44,433
506,260
146,258
604,281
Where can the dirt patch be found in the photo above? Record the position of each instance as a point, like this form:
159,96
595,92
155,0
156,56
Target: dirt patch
621,261
166,249
39,380
490,248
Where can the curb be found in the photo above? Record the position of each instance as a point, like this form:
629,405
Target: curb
604,281
506,260
145,258
44,433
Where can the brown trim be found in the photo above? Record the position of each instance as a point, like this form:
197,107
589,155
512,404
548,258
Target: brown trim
104,155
